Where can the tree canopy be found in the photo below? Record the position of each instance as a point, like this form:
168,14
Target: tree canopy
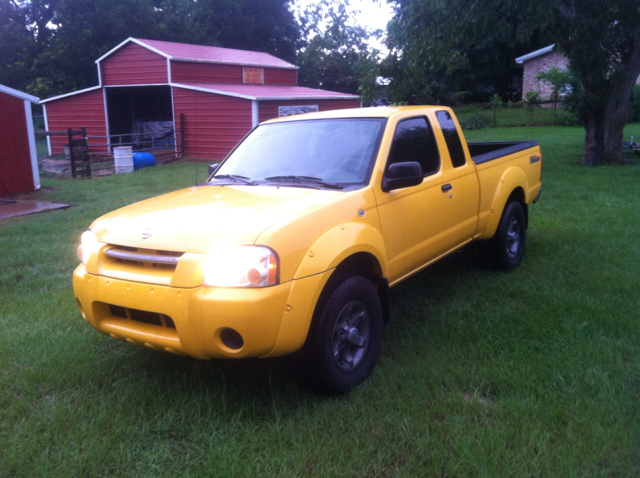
432,39
335,52
454,51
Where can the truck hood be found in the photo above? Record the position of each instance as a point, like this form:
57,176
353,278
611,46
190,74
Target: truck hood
200,218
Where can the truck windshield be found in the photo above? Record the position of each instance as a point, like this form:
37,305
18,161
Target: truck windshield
332,150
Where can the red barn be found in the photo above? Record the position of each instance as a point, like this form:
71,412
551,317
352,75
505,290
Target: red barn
18,157
221,94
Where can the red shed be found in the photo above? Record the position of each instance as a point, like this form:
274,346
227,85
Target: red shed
18,157
222,94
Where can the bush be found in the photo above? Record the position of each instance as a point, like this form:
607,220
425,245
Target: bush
567,118
475,121
533,99
460,97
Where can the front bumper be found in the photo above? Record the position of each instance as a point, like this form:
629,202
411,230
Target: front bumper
193,321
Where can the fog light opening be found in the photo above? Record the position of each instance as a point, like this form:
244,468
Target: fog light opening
231,339
84,316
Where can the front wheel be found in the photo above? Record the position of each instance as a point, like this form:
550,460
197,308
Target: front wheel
507,246
345,337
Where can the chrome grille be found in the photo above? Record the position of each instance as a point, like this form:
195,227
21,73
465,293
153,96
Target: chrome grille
144,257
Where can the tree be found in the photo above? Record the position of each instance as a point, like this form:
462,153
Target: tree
335,54
560,82
49,47
601,39
17,45
261,25
441,51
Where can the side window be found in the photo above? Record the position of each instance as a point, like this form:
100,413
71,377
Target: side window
414,141
452,138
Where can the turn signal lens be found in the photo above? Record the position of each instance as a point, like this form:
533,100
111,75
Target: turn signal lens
87,241
241,266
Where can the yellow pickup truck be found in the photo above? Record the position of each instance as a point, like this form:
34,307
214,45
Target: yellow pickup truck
293,242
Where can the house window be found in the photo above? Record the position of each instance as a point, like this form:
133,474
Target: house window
252,75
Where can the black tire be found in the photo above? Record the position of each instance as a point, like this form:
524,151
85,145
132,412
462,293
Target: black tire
507,246
345,337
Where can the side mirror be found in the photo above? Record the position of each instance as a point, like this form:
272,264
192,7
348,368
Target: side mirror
402,175
212,168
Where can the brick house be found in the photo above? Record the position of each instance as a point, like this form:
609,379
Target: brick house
538,61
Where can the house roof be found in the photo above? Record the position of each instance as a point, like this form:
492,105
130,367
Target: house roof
534,54
206,54
18,94
266,92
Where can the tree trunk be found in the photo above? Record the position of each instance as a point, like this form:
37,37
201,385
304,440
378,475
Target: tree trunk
604,126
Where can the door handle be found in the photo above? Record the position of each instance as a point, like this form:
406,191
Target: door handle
446,188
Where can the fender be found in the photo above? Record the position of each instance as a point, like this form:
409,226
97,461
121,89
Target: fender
337,244
313,273
512,179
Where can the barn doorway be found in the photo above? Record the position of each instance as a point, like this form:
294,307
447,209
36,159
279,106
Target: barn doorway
141,116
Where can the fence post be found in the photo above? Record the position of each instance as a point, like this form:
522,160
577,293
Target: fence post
71,158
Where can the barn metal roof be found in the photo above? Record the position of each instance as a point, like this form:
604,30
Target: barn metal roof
73,93
18,94
207,54
248,92
266,92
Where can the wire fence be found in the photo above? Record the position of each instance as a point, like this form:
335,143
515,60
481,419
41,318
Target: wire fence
513,114
94,155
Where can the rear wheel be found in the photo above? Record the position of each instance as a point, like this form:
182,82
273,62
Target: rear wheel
345,337
507,246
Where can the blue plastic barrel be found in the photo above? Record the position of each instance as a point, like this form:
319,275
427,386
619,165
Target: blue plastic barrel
143,160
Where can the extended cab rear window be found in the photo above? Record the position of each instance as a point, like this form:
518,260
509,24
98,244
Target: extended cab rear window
414,141
452,138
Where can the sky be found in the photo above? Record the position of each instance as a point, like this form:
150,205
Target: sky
374,14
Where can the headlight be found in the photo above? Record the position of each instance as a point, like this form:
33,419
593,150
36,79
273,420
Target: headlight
87,241
241,266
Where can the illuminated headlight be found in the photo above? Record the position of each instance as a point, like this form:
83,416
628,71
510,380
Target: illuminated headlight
241,266
87,241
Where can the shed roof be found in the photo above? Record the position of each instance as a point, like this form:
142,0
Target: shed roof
207,54
18,94
73,93
534,54
266,92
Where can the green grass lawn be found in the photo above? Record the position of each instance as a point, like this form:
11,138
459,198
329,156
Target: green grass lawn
532,373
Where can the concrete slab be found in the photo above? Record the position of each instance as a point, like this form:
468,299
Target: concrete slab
23,208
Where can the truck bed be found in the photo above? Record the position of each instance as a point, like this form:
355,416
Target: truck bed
483,152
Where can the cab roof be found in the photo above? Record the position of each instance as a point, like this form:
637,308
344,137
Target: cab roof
374,112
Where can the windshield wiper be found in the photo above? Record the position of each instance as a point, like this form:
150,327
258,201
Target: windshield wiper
305,179
235,177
